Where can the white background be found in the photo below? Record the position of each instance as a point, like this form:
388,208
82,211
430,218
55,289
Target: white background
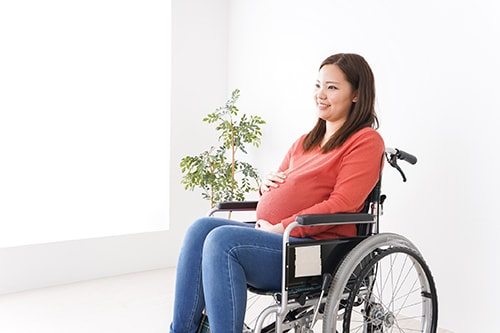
437,69
84,119
436,66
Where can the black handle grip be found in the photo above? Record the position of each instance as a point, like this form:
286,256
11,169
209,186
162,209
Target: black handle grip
402,155
327,277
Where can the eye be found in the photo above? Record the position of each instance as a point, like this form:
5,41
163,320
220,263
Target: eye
316,85
332,87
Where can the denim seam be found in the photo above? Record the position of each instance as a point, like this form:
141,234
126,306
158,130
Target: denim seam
196,301
231,286
231,254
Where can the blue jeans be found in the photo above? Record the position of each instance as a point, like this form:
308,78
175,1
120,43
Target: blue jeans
219,257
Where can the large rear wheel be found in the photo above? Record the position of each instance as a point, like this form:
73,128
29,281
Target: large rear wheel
383,285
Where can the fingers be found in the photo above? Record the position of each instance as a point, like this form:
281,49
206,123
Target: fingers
268,226
278,177
262,224
272,180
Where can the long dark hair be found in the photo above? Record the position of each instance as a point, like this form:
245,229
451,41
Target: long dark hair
362,114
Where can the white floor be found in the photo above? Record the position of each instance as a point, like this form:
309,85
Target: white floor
134,303
138,303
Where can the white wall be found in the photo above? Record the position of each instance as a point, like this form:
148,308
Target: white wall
199,75
437,69
199,86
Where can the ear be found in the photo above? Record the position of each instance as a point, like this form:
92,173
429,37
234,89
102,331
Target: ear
355,97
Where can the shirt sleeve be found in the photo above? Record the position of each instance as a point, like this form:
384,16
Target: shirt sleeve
359,172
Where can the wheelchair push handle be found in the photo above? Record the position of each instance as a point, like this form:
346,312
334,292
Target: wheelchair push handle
401,155
404,156
394,154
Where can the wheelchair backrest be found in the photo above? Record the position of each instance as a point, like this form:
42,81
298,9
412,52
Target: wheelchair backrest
372,205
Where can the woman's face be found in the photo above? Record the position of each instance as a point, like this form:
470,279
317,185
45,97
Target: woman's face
333,95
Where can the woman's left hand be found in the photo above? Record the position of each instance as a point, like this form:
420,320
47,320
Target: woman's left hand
267,226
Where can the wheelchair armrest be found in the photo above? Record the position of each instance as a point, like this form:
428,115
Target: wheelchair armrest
339,218
233,206
237,205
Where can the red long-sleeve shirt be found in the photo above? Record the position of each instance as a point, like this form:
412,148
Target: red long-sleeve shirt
338,181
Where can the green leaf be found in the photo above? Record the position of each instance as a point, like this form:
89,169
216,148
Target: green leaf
211,171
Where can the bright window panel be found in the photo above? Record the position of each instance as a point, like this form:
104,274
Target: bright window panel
84,119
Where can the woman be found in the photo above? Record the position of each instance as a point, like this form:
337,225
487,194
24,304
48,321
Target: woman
331,169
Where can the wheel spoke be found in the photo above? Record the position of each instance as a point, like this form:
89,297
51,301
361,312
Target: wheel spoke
392,295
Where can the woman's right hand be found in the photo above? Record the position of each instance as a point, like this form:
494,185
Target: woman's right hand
272,180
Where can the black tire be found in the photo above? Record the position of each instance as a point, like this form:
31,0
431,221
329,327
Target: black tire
394,299
385,286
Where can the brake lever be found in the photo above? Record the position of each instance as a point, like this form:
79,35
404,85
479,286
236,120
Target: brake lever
393,161
400,171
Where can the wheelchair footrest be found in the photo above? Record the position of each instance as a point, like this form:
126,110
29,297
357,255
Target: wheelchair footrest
299,294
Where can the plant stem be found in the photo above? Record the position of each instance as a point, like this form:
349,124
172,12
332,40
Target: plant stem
233,183
212,191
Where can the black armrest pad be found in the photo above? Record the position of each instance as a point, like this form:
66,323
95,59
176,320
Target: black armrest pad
340,218
237,205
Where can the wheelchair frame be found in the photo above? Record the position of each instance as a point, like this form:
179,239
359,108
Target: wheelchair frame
355,273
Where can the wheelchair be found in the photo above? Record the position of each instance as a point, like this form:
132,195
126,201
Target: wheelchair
371,283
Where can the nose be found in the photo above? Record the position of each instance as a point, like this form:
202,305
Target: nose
320,93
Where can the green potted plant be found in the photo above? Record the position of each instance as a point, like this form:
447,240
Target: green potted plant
217,171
